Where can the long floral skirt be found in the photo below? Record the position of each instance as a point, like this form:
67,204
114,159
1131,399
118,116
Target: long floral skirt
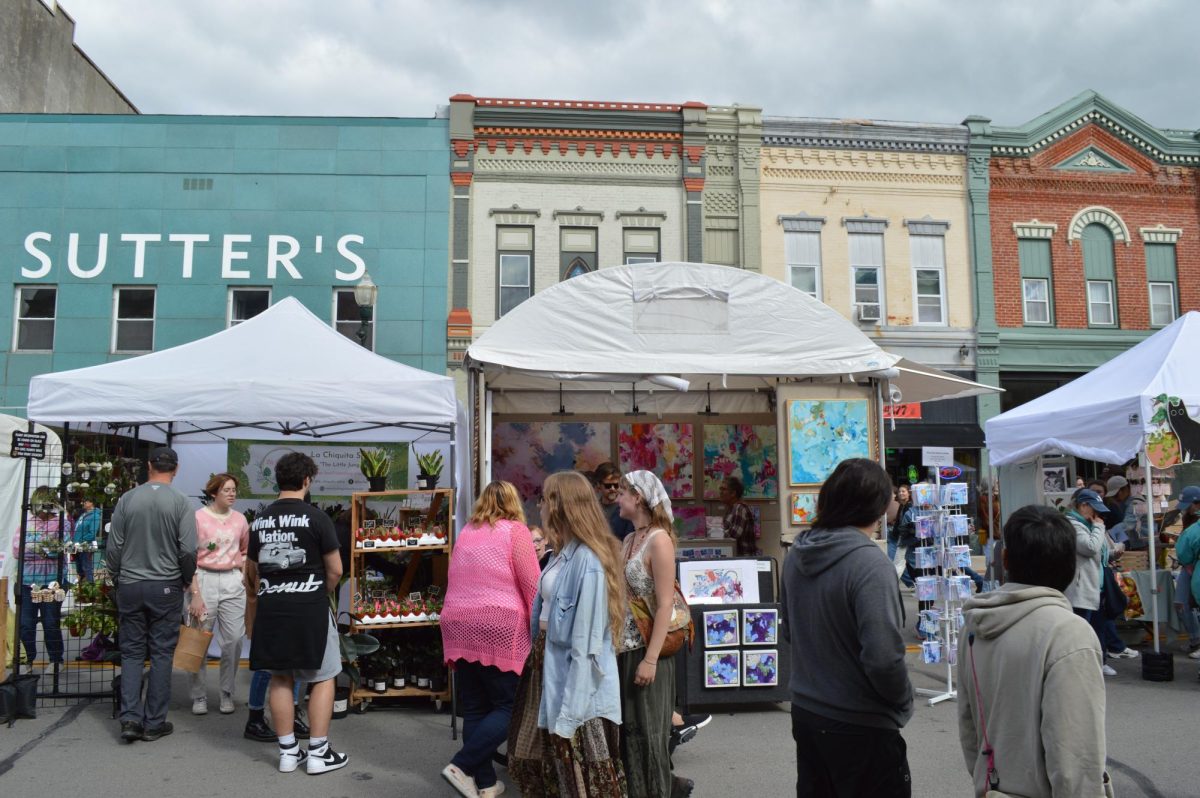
541,763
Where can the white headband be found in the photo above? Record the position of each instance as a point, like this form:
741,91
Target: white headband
650,488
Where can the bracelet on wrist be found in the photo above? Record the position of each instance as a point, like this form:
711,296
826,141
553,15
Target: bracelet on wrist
648,662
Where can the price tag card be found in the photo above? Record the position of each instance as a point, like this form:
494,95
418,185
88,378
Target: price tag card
369,523
435,591
415,596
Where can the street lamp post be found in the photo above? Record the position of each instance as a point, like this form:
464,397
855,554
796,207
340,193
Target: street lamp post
364,296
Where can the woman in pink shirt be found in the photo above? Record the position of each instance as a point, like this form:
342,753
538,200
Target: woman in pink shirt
492,582
218,591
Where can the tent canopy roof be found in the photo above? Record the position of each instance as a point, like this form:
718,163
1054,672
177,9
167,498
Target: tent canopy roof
676,323
284,369
1105,414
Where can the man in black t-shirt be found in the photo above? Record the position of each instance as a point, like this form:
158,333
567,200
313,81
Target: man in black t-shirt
293,559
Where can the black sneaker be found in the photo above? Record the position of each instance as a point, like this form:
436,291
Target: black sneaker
259,730
325,761
131,731
155,732
681,787
699,721
299,727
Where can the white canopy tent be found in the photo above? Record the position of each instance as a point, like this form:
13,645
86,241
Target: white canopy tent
1109,414
283,374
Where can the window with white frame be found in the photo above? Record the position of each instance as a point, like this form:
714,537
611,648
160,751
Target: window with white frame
1162,304
348,318
1100,303
36,308
641,245
246,303
133,320
1035,296
802,255
866,270
514,267
929,271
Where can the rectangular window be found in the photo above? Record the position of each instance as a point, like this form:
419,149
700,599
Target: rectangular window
1036,297
133,320
348,318
641,245
866,269
577,251
34,315
1162,304
246,303
514,267
929,267
802,254
1100,303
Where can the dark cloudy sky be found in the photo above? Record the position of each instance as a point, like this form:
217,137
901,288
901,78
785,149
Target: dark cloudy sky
924,60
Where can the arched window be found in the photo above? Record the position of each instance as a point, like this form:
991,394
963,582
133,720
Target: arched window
575,268
1100,272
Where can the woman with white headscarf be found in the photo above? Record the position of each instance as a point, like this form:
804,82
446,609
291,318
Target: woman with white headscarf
648,682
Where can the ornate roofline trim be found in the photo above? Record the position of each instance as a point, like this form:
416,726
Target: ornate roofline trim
1096,214
576,105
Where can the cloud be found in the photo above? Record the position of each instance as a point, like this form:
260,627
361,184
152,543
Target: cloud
925,60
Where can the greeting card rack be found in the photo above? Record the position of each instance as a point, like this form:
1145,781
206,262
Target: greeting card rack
400,532
942,558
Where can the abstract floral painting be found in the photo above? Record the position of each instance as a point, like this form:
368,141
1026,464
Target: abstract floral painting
689,522
823,433
804,508
761,668
722,669
669,450
760,627
526,452
749,452
720,628
707,583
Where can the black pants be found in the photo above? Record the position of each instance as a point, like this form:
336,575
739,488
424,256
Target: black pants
149,614
485,696
842,760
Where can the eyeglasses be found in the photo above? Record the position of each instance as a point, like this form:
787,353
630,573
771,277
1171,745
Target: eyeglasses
610,485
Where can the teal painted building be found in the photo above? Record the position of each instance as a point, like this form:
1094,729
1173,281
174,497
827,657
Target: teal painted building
126,234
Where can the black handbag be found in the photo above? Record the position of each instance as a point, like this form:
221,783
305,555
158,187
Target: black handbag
1113,601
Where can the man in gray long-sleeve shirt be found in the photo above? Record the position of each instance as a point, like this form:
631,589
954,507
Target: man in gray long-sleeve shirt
151,555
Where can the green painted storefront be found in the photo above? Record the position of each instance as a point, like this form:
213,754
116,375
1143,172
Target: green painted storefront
193,220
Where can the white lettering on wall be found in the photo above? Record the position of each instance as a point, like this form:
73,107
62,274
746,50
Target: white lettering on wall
43,258
139,250
285,256
73,256
276,258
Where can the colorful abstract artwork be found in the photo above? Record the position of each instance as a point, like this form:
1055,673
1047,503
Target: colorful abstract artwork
747,451
722,668
526,452
823,433
669,450
720,628
804,508
760,668
689,522
760,627
735,582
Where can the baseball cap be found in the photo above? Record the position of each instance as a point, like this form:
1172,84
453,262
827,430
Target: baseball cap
163,457
1090,498
1189,495
1114,484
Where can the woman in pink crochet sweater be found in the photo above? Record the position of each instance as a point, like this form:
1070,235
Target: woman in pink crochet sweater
493,579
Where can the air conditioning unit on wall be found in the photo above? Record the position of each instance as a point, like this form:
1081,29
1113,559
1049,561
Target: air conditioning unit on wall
867,312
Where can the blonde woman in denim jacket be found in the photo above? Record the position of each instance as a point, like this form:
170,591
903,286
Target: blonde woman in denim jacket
565,739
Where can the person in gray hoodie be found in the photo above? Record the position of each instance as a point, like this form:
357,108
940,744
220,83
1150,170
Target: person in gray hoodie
849,683
1030,692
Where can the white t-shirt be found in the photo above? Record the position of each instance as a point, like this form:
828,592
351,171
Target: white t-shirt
546,588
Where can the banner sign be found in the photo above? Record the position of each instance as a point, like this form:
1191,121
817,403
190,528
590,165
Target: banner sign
338,475
909,410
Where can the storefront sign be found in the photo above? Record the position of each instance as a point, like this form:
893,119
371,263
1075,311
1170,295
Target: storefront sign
908,410
937,456
282,254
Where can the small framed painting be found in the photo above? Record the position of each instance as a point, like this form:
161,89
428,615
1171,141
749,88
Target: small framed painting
760,627
760,668
804,508
722,669
720,628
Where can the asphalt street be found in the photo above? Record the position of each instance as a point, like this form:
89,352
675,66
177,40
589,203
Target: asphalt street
1151,747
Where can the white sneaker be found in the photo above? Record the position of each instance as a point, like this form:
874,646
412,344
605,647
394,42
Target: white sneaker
494,791
325,761
1128,653
199,706
461,781
227,703
291,758
1195,654
1108,670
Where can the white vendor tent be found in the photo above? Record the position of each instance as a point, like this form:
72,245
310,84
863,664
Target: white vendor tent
284,374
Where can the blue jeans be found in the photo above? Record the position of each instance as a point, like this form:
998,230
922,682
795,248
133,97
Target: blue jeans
486,695
48,613
258,690
1096,619
85,564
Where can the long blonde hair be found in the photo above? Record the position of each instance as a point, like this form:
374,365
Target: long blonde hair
570,510
499,501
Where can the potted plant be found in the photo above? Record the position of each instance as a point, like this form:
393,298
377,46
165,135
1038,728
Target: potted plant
375,465
430,466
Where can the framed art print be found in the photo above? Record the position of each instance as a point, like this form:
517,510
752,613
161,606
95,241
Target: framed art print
722,669
666,449
822,433
760,668
720,628
804,508
760,627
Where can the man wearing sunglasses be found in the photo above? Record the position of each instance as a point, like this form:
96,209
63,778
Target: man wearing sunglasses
607,479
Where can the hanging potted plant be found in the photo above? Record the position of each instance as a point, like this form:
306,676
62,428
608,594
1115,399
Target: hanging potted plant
430,466
375,465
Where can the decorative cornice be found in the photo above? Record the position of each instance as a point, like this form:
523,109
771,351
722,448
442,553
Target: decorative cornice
578,216
516,210
864,224
572,133
801,223
667,149
580,105
1096,214
891,162
1035,229
460,178
927,226
1092,159
462,147
691,184
863,134
639,217
1160,234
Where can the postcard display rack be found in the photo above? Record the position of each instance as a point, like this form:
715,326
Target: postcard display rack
415,527
941,556
739,655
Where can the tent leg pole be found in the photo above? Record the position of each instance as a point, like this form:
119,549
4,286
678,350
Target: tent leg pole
1153,557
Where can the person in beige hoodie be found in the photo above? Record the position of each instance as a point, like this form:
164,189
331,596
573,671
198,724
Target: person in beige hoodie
1030,689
